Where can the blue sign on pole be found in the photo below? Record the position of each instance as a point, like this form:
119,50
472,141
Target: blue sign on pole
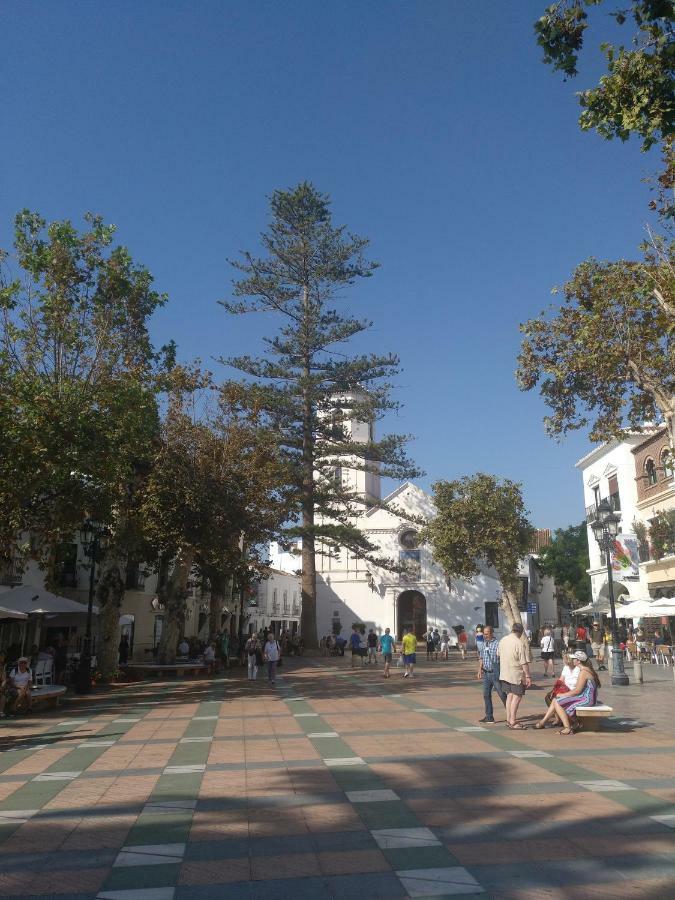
533,607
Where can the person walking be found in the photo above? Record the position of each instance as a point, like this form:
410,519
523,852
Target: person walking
480,639
371,640
547,646
387,649
429,638
463,639
355,645
598,644
514,672
272,655
488,673
409,652
253,655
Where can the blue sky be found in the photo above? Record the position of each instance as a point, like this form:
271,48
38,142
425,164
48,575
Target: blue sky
434,127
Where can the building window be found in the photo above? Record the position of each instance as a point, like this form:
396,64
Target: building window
650,472
409,539
667,463
596,495
411,566
614,499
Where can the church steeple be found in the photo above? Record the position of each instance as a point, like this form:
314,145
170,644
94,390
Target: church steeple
363,481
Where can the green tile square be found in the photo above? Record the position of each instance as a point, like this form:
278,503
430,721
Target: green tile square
174,787
138,877
419,858
160,829
387,815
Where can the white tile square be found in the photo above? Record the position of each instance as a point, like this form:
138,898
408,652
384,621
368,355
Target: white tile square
184,770
163,893
395,838
169,806
149,855
18,816
371,796
668,820
203,718
89,744
425,709
305,715
57,776
322,734
471,728
121,721
529,754
603,786
344,761
72,722
439,882
196,740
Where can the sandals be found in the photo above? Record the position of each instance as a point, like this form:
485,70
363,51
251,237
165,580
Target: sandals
566,731
517,727
540,725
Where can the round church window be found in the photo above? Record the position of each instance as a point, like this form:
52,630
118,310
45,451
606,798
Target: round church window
409,539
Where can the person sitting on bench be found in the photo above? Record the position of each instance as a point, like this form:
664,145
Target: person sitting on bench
22,681
584,694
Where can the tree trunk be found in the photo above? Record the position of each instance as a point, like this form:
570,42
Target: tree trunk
510,606
308,617
175,595
109,596
217,601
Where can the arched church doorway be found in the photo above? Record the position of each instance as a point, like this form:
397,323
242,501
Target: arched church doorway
411,612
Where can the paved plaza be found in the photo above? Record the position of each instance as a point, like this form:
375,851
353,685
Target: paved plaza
335,783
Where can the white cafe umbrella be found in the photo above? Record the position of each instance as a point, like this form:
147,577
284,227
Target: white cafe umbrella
6,613
32,600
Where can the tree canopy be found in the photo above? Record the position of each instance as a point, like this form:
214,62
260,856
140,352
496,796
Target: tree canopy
636,93
605,358
481,518
77,389
566,561
306,387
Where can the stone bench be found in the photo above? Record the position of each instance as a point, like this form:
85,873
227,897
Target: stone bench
591,715
179,669
47,693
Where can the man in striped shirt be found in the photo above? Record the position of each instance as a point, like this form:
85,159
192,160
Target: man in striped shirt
488,673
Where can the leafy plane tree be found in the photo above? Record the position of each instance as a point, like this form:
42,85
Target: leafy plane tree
481,519
636,93
566,561
605,357
77,389
306,387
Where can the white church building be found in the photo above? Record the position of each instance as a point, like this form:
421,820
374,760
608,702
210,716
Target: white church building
352,590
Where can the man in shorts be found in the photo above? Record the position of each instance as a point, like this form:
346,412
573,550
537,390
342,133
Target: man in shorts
514,673
387,648
409,652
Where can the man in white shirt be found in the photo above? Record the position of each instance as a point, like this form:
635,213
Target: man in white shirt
183,648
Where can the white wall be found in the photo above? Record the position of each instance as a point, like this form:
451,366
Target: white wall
614,458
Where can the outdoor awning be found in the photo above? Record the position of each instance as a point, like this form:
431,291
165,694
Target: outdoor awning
11,613
638,609
31,600
602,606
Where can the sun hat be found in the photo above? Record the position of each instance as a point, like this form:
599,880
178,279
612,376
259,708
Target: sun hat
580,655
23,659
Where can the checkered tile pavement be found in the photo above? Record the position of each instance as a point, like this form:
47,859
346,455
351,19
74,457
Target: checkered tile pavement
335,783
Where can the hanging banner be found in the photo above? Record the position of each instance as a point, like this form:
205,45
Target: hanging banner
625,558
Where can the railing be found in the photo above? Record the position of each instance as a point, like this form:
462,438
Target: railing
11,575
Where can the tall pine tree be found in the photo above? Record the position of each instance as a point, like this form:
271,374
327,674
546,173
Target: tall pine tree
306,386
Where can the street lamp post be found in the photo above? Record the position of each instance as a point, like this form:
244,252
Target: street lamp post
605,526
91,535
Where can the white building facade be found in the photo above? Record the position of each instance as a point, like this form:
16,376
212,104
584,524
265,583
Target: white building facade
278,603
608,472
